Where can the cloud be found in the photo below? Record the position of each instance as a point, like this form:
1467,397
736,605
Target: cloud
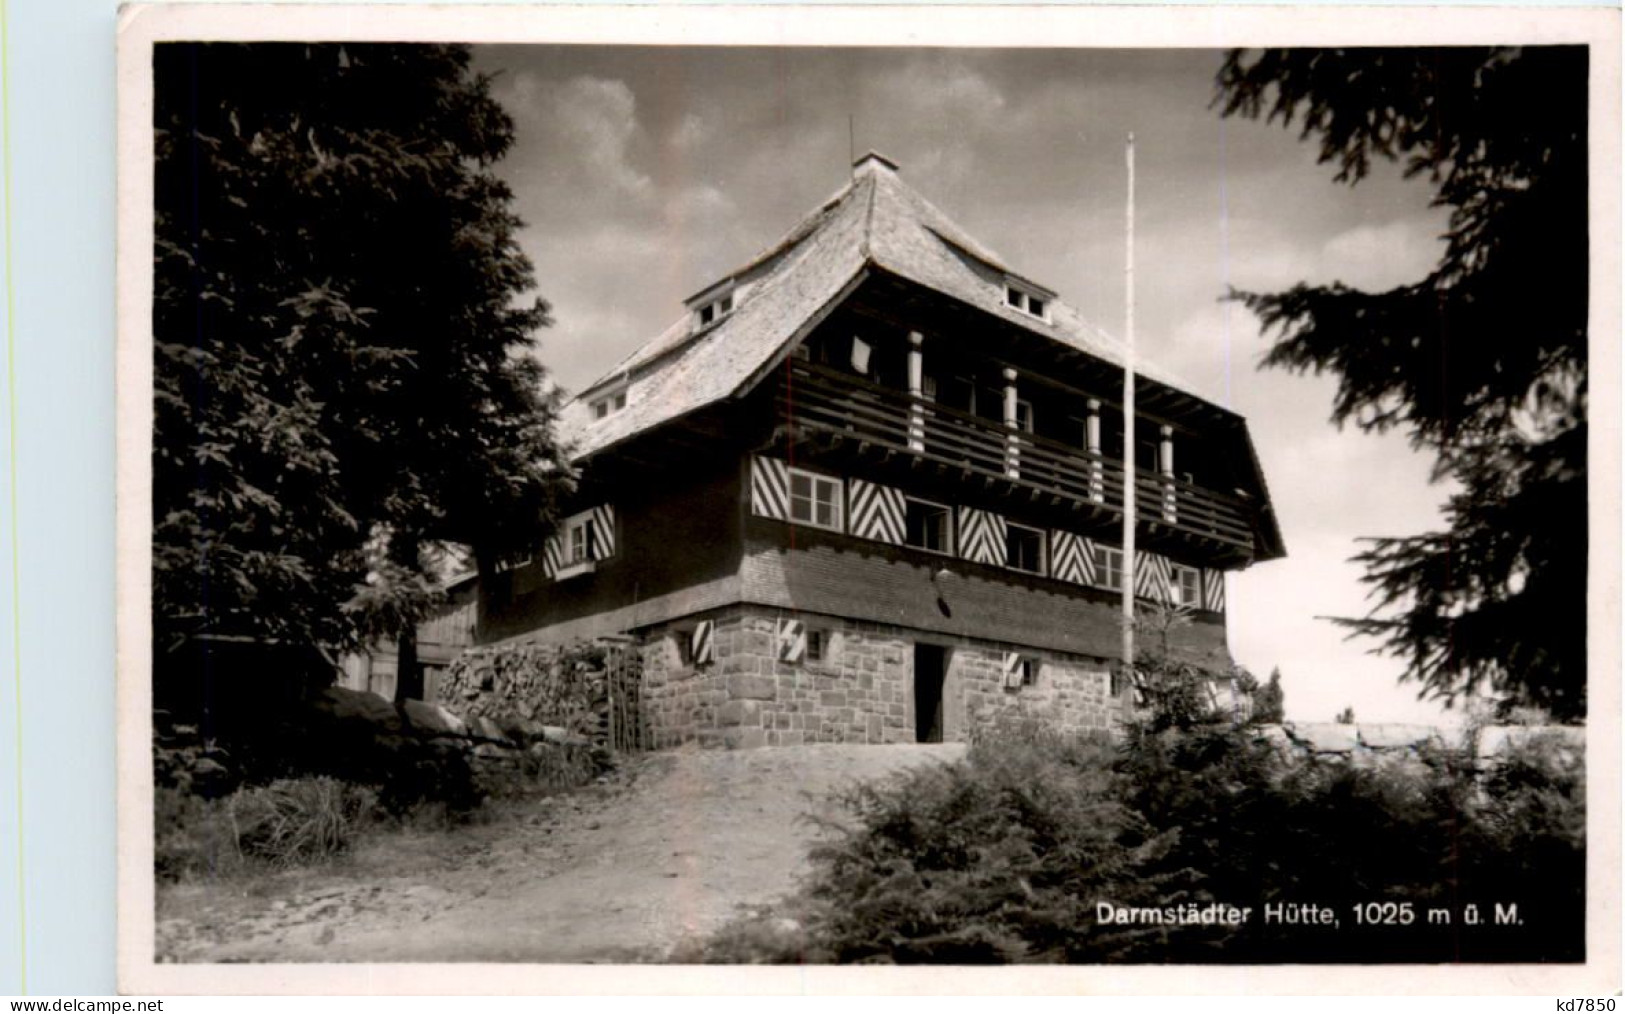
940,90
577,135
600,115
690,133
696,204
1378,257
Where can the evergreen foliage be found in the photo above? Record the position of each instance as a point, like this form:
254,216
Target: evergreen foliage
344,375
1482,362
1008,855
1269,700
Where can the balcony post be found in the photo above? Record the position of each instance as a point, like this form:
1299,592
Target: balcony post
1012,442
916,391
1165,463
1091,437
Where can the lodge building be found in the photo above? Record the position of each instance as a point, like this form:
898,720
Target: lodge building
869,489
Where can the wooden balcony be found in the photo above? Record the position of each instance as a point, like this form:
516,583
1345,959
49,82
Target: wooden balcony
838,409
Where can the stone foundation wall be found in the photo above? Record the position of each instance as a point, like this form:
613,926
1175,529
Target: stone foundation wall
1072,694
860,691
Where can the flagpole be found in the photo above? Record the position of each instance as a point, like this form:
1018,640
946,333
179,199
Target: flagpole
1129,475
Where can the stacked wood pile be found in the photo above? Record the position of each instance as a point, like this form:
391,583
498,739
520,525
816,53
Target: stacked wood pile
580,691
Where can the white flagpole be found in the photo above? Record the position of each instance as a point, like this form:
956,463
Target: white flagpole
1129,475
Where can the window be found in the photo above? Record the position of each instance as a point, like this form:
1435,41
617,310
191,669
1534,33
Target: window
1187,587
815,500
1030,303
715,310
1020,672
609,403
815,645
1109,567
1024,549
929,526
580,542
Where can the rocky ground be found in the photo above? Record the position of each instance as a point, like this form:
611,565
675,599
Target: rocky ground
665,849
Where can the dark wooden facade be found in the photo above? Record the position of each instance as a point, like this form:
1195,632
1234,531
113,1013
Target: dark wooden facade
687,541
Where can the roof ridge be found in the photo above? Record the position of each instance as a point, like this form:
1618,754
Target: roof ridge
865,247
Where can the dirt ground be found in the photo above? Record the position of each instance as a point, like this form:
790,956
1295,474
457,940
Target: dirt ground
666,848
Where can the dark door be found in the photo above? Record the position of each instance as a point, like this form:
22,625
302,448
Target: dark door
930,667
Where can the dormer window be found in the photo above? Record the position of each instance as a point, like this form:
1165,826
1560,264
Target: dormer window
716,309
1027,300
608,404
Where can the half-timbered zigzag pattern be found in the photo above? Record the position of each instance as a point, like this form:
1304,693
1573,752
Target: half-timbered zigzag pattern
1072,557
1213,590
769,488
877,512
603,531
1153,576
702,643
792,640
1012,669
981,536
553,554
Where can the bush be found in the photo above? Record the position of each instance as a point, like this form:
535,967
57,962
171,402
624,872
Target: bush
287,822
299,820
192,837
549,768
1005,855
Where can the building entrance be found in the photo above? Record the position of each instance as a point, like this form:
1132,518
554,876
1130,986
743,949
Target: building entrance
930,670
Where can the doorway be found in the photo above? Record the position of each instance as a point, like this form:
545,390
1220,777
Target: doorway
930,670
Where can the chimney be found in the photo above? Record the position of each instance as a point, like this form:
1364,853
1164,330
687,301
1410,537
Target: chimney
876,157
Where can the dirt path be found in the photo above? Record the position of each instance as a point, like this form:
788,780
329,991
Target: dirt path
669,849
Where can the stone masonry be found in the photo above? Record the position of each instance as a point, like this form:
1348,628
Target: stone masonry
860,691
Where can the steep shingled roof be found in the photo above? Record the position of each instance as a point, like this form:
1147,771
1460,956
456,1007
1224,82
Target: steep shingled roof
876,219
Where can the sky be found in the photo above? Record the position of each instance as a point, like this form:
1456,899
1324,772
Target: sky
643,174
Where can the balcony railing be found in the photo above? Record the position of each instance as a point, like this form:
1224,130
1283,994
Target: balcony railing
849,408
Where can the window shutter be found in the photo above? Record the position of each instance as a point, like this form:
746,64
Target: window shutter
701,648
792,640
981,536
553,554
877,512
1012,670
1072,557
1153,576
603,528
769,488
1213,590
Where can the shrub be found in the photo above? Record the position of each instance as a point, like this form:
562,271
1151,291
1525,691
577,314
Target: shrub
1005,855
284,823
993,859
192,837
298,820
549,768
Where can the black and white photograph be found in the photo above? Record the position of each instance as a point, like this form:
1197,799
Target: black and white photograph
854,498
